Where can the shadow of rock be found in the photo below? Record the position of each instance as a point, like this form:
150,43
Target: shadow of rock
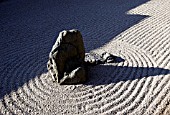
107,74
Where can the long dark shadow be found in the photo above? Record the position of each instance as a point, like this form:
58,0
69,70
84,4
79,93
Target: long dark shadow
28,29
106,74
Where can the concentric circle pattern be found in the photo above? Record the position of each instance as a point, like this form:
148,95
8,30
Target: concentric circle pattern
138,32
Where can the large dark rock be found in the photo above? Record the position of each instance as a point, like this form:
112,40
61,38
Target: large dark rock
66,59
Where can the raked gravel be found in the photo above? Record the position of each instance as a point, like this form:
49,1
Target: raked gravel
136,30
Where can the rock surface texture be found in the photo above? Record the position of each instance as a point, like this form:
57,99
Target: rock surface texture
67,57
67,60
